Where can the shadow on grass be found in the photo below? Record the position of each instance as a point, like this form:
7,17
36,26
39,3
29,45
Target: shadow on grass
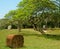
48,36
26,34
15,48
51,36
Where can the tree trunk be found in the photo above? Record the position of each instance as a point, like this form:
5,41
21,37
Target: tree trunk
19,26
41,30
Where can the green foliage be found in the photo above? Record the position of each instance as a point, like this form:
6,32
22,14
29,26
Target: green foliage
41,11
10,14
28,8
4,23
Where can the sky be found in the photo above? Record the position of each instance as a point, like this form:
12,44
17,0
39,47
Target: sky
7,5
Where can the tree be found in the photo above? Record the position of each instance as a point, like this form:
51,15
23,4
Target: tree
16,15
32,8
4,23
36,10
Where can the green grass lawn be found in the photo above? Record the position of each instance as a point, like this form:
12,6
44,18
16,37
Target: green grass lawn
33,39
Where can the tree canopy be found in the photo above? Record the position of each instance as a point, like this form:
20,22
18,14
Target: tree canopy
37,11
